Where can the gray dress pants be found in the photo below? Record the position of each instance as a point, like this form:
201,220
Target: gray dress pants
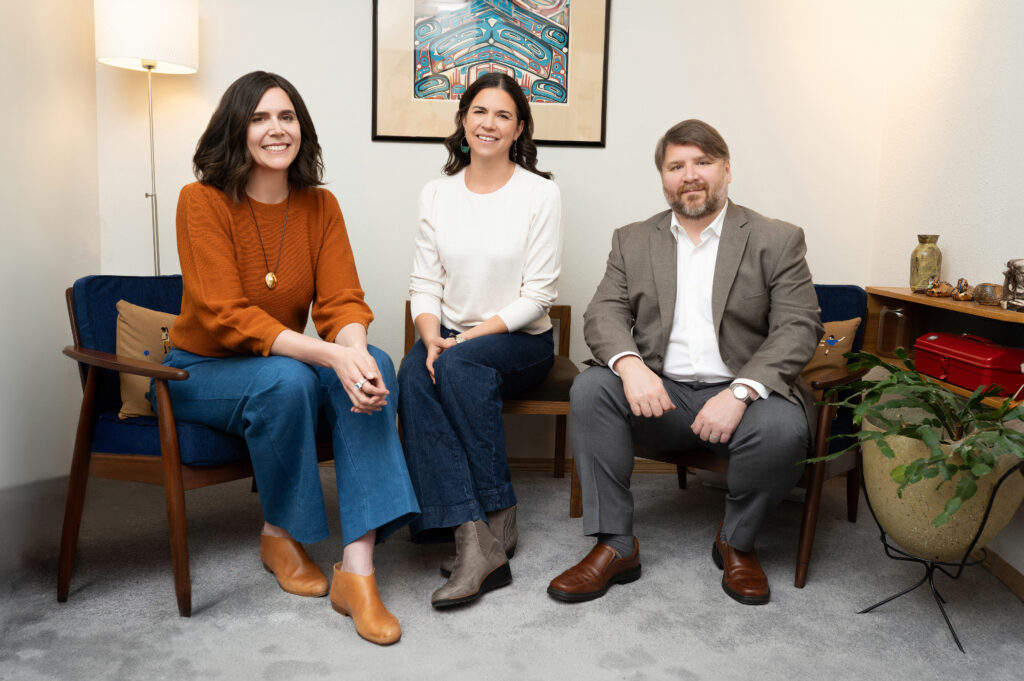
764,452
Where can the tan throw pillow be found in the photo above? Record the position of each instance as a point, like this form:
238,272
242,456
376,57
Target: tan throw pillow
141,334
828,357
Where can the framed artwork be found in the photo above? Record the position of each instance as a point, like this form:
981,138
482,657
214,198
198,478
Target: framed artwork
426,52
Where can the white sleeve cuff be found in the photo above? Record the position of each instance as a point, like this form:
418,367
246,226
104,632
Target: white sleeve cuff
616,358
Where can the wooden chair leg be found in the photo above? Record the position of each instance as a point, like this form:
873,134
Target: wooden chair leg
853,488
174,491
575,494
681,475
77,482
809,523
560,428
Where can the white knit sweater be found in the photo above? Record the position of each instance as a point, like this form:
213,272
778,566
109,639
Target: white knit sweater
480,255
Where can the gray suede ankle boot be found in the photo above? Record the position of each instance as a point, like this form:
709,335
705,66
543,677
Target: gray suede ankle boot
480,566
503,526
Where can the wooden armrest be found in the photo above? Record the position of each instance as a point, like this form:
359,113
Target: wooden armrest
834,379
139,367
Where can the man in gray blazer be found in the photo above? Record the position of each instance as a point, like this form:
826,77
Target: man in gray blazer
701,326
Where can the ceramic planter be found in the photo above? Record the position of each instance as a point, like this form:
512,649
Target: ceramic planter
908,520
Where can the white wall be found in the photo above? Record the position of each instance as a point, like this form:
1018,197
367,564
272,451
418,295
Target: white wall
50,227
952,144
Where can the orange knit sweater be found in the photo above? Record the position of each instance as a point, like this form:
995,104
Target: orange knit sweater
226,307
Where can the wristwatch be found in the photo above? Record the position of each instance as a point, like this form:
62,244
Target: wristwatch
460,339
742,393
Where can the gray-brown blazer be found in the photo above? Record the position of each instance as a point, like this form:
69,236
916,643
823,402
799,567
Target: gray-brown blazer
763,302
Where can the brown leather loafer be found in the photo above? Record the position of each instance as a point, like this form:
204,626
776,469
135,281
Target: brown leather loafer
288,562
591,577
744,579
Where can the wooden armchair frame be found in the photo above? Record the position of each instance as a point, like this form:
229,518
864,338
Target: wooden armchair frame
165,470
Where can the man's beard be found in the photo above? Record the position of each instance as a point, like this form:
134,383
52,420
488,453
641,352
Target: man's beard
695,211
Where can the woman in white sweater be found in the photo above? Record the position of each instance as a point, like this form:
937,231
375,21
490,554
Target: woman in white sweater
488,256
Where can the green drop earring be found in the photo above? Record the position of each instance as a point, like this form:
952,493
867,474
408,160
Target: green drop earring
465,145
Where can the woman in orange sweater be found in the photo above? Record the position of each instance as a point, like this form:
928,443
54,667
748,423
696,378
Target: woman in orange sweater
259,243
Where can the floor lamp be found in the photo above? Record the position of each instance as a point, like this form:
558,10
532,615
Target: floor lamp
155,36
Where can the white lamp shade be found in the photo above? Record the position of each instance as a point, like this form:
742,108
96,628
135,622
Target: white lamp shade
164,32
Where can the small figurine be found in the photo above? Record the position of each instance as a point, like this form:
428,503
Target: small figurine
942,289
1013,285
165,339
962,290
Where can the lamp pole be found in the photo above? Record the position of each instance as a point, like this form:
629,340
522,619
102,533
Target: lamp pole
149,66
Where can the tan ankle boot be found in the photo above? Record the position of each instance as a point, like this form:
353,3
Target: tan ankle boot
357,596
288,562
503,526
480,566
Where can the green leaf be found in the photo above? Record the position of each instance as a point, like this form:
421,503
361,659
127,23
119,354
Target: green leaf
980,470
899,474
940,519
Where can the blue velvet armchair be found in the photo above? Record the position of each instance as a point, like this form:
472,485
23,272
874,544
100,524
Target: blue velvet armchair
179,456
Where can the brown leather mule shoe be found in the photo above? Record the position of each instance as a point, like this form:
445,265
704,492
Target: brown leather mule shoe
357,596
591,577
295,572
744,579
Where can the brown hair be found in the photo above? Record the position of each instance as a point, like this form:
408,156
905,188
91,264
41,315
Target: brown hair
523,152
222,156
692,131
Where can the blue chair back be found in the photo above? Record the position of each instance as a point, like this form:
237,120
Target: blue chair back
844,301
95,308
839,302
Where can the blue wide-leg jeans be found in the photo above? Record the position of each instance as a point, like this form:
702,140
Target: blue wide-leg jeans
275,404
454,434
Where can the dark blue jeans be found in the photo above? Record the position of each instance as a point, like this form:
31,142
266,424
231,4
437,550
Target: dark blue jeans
275,403
454,435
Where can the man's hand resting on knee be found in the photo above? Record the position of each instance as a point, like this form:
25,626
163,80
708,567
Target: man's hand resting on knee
717,420
644,389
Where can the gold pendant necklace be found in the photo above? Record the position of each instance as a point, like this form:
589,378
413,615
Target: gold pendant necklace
271,278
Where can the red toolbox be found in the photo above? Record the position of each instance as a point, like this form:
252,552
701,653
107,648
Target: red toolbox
969,361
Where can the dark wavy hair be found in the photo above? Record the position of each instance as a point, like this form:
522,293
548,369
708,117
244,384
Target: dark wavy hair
523,152
695,132
222,156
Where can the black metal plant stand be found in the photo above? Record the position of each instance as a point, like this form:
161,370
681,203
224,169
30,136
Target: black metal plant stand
951,570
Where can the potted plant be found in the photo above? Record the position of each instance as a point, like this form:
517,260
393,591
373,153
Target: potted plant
932,458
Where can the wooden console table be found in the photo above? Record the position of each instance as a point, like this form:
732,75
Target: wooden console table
925,314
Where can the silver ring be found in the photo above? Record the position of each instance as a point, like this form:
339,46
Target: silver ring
358,385
713,439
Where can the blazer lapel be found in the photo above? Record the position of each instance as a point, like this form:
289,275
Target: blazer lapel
730,252
663,266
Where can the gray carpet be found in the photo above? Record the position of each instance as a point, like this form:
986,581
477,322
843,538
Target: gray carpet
121,621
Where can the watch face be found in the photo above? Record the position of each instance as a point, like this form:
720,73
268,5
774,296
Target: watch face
741,392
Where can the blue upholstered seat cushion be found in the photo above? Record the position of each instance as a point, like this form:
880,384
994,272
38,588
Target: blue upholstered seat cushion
198,444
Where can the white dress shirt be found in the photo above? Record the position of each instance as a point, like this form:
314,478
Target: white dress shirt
692,355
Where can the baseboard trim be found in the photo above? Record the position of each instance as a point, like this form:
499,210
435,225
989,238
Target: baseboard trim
1004,572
